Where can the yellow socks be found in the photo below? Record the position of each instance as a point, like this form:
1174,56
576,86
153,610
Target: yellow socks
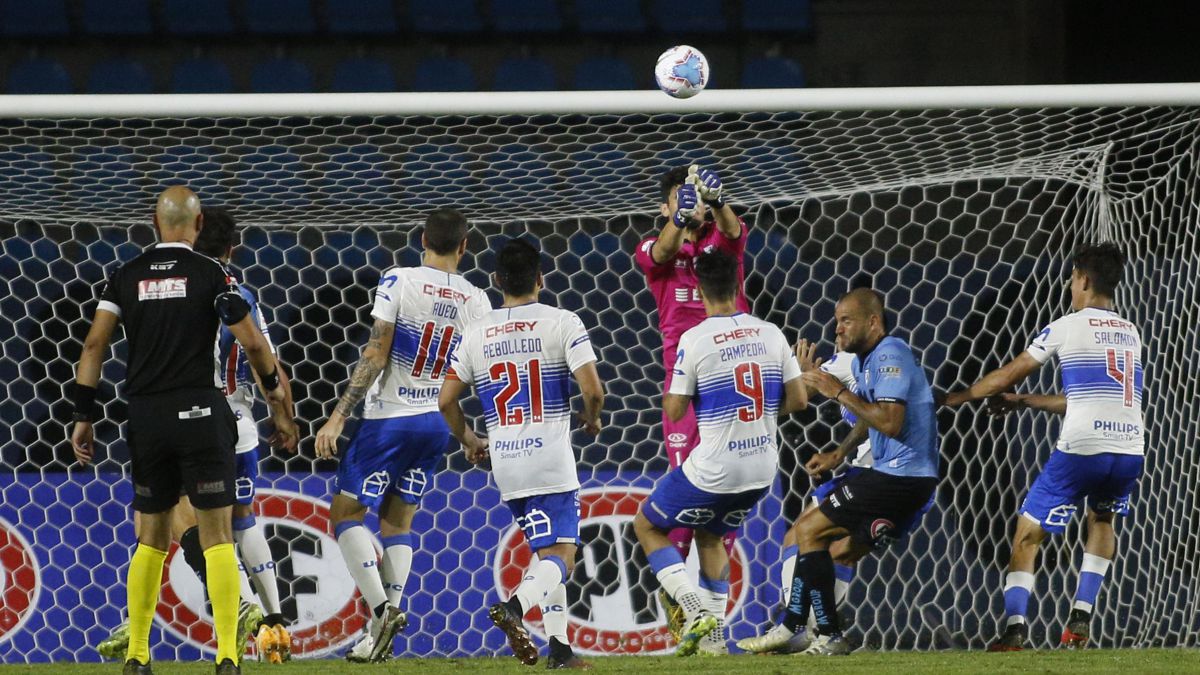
145,578
224,594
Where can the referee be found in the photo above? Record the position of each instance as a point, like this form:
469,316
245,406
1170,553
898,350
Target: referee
181,431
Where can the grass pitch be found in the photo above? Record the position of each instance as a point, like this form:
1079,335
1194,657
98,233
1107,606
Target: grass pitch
1092,661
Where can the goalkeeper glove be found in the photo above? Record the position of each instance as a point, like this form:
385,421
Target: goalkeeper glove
686,202
708,185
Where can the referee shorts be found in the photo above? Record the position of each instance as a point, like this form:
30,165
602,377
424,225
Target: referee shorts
182,441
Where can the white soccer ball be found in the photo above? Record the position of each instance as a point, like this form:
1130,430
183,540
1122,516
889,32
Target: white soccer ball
681,71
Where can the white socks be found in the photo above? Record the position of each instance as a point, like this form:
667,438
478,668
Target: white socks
359,555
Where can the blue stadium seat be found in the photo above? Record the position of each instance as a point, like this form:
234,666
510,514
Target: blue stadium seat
280,17
39,76
602,73
772,16
526,16
119,76
201,76
444,74
363,74
444,16
117,17
361,17
688,16
43,18
280,76
198,17
524,74
609,16
772,73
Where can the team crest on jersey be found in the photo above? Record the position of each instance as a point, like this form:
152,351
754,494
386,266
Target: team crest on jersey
20,580
614,613
881,528
317,597
162,289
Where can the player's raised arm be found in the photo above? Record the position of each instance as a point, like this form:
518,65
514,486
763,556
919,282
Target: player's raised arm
712,193
87,377
680,207
999,380
370,364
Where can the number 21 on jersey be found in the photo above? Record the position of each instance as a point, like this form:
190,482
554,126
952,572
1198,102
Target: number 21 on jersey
509,409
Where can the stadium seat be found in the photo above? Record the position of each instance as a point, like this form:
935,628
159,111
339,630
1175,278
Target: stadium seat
603,73
280,76
280,17
774,16
201,76
198,17
444,74
688,16
119,76
524,74
363,74
117,17
772,73
39,76
360,17
444,16
526,16
23,18
609,16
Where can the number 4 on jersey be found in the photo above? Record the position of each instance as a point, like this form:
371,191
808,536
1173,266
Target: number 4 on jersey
1123,373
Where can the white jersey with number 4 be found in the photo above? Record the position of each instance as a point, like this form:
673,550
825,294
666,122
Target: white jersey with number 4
841,366
520,361
1100,355
734,368
431,309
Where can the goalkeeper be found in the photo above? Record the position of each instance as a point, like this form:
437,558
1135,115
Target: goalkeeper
697,221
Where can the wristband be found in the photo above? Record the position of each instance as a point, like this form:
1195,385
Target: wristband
271,382
719,202
84,399
839,394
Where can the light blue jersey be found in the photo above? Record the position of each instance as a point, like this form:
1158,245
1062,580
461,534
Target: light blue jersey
890,373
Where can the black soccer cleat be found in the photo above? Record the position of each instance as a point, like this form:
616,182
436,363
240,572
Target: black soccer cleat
562,657
135,667
1012,639
514,628
1075,635
228,667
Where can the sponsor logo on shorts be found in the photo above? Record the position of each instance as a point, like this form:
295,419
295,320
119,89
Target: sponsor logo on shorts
676,440
211,487
615,613
20,580
317,596
142,490
162,289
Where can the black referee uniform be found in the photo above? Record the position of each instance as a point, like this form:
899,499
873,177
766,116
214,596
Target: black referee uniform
181,431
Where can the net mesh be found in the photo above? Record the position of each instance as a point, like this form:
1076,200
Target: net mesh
964,219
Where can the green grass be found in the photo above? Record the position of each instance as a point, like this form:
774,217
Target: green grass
1092,661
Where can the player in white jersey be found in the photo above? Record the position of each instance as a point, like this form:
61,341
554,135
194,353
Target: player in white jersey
1101,447
739,374
520,359
420,314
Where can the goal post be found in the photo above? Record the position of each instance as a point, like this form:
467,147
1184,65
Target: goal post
962,205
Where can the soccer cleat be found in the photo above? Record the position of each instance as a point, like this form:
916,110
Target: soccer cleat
1075,635
828,645
675,614
513,627
249,618
715,644
383,633
697,628
1011,640
115,645
778,639
135,667
562,657
228,667
361,651
274,644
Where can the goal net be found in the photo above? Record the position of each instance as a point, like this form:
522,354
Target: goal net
961,206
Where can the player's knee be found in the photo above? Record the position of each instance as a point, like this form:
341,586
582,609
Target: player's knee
396,517
642,525
242,511
342,508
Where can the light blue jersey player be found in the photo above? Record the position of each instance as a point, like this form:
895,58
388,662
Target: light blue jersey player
420,315
739,374
520,359
1100,451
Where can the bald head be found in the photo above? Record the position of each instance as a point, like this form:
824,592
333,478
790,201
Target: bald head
866,302
177,208
860,321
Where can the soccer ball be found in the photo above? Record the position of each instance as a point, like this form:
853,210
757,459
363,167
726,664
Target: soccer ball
681,71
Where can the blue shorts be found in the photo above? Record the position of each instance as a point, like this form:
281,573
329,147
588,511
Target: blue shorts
393,455
547,519
905,526
1105,480
675,502
247,476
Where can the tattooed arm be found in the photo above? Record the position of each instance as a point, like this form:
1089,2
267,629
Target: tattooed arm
370,364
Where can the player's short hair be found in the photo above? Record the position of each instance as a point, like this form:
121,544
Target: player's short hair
671,180
517,266
717,274
219,233
1103,263
445,228
870,301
